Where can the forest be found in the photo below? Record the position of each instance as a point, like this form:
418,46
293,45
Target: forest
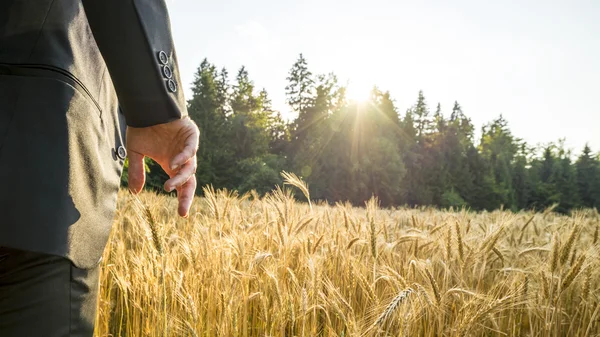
350,151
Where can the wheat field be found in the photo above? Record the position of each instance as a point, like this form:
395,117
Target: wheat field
278,266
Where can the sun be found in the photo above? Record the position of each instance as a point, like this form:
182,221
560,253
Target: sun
358,91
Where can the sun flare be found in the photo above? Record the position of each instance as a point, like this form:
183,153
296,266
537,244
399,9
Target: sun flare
358,91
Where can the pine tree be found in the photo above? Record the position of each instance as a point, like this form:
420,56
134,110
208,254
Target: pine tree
252,136
421,115
408,129
277,129
587,169
544,179
464,124
460,139
223,93
312,133
413,190
300,89
520,178
208,108
566,180
243,99
439,121
498,148
387,108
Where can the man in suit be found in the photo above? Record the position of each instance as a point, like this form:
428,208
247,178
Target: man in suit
73,73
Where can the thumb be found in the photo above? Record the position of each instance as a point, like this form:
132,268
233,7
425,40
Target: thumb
136,173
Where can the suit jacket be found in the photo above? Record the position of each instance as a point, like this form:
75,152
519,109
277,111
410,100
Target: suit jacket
71,73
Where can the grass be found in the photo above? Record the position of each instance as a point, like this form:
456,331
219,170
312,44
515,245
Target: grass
275,266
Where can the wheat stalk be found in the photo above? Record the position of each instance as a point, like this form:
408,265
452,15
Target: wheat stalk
434,287
352,242
294,180
391,308
459,242
555,253
449,244
566,249
573,272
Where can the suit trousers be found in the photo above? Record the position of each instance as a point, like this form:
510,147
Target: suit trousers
45,296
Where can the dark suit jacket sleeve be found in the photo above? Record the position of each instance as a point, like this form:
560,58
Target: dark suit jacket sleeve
134,37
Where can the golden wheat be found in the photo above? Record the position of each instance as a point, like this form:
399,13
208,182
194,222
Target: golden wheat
273,266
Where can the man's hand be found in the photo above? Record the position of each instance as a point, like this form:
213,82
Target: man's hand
173,146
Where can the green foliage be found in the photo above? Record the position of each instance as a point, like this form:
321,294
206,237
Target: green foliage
452,199
300,90
260,173
155,176
587,172
351,151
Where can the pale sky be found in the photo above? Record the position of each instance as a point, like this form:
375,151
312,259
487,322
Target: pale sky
535,62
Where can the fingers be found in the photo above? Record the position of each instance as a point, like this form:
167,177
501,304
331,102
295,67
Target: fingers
185,195
185,155
182,176
190,147
136,172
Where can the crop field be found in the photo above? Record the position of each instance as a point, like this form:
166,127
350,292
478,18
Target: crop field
279,266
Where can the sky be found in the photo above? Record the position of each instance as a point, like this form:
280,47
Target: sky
535,62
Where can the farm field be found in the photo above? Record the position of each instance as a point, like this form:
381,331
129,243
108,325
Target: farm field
277,266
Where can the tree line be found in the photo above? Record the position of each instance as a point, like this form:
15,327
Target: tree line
350,151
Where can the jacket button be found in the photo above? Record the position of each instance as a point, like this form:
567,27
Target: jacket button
163,57
172,86
167,72
121,152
